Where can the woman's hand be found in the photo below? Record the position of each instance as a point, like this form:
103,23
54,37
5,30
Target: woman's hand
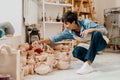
47,41
85,33
35,42
86,39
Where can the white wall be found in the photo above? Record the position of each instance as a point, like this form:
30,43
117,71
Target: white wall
117,3
100,5
31,11
11,10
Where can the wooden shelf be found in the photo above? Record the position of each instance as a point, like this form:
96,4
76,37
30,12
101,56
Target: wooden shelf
85,13
83,8
84,1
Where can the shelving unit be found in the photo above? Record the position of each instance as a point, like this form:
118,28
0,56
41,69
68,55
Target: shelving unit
58,4
49,17
84,9
53,22
112,23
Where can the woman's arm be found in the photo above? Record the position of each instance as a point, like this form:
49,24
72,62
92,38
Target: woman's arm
47,41
89,24
87,31
51,40
94,29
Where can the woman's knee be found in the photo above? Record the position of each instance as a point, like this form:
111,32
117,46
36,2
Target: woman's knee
96,33
78,51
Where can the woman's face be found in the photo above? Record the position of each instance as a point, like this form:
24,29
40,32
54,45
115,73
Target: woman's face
70,26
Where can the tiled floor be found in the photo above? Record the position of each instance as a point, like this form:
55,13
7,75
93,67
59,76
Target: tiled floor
106,67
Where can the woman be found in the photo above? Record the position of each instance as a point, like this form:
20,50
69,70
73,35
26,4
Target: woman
85,31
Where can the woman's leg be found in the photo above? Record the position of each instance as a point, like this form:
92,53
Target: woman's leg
80,53
97,44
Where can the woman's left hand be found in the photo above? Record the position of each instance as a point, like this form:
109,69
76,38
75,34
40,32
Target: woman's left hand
85,33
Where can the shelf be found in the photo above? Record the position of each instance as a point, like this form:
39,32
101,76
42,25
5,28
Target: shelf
50,15
84,8
58,4
84,1
85,12
53,22
115,25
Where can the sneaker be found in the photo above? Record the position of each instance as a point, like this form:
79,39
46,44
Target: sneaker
86,68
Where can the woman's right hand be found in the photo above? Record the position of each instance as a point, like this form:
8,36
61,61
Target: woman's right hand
47,41
35,42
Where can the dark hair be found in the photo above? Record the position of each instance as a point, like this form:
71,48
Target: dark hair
69,16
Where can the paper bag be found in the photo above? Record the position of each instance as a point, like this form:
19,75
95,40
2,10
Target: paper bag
10,61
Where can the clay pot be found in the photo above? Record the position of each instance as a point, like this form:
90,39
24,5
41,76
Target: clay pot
43,69
62,65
